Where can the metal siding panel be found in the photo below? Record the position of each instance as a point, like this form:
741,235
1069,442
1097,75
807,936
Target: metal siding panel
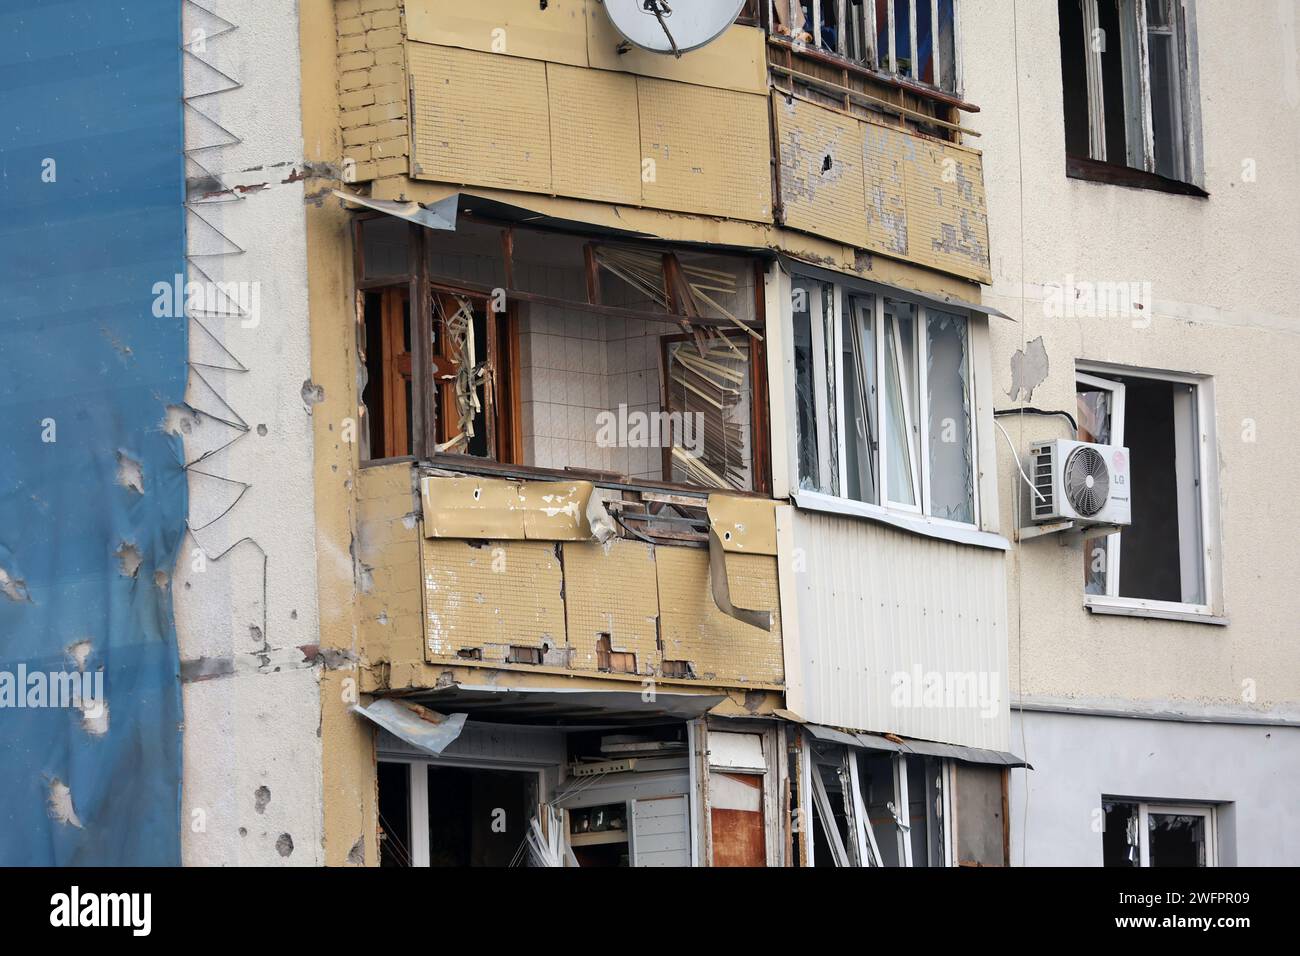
828,202
557,33
479,118
875,601
710,150
594,132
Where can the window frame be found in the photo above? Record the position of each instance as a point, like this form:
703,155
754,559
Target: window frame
1205,811
875,58
837,499
1138,116
429,413
1145,808
862,849
1207,478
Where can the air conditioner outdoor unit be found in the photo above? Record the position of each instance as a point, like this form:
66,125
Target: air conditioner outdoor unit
1081,482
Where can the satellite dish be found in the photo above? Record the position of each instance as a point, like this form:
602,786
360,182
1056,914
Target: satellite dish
672,26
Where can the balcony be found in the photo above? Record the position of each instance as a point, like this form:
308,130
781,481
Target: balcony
629,588
548,109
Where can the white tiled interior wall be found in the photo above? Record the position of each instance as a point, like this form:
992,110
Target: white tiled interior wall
562,364
575,365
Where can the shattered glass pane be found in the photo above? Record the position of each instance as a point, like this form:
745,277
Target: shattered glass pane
832,405
1176,839
804,388
952,472
859,398
901,432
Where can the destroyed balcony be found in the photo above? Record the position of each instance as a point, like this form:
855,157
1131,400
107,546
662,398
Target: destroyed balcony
459,575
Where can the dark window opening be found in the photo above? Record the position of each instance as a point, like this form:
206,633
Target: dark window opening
394,814
478,817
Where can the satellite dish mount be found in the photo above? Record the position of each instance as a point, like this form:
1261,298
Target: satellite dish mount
678,27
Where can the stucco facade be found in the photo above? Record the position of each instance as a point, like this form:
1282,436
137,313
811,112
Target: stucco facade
1223,282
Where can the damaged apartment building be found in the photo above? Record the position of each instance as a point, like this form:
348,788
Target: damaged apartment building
597,452
669,481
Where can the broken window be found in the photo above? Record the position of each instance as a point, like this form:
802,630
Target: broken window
872,808
911,38
1139,834
550,351
884,401
1161,557
1128,84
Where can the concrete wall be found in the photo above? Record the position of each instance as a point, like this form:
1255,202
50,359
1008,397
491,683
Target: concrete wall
1225,288
245,586
1076,759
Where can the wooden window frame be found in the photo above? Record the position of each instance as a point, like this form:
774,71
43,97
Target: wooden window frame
428,425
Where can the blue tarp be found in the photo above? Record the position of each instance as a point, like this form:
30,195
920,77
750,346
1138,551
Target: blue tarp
86,374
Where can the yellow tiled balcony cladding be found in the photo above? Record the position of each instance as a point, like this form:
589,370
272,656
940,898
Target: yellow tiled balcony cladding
486,572
508,95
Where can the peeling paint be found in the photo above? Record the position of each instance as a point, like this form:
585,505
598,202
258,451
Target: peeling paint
15,589
130,473
312,394
1029,369
206,668
180,420
60,805
128,555
357,855
79,652
94,718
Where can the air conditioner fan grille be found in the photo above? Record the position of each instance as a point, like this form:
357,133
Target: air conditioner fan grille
1087,481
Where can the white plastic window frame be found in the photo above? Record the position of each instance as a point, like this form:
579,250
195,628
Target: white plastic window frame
885,60
1138,112
864,848
1207,495
1206,811
835,444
